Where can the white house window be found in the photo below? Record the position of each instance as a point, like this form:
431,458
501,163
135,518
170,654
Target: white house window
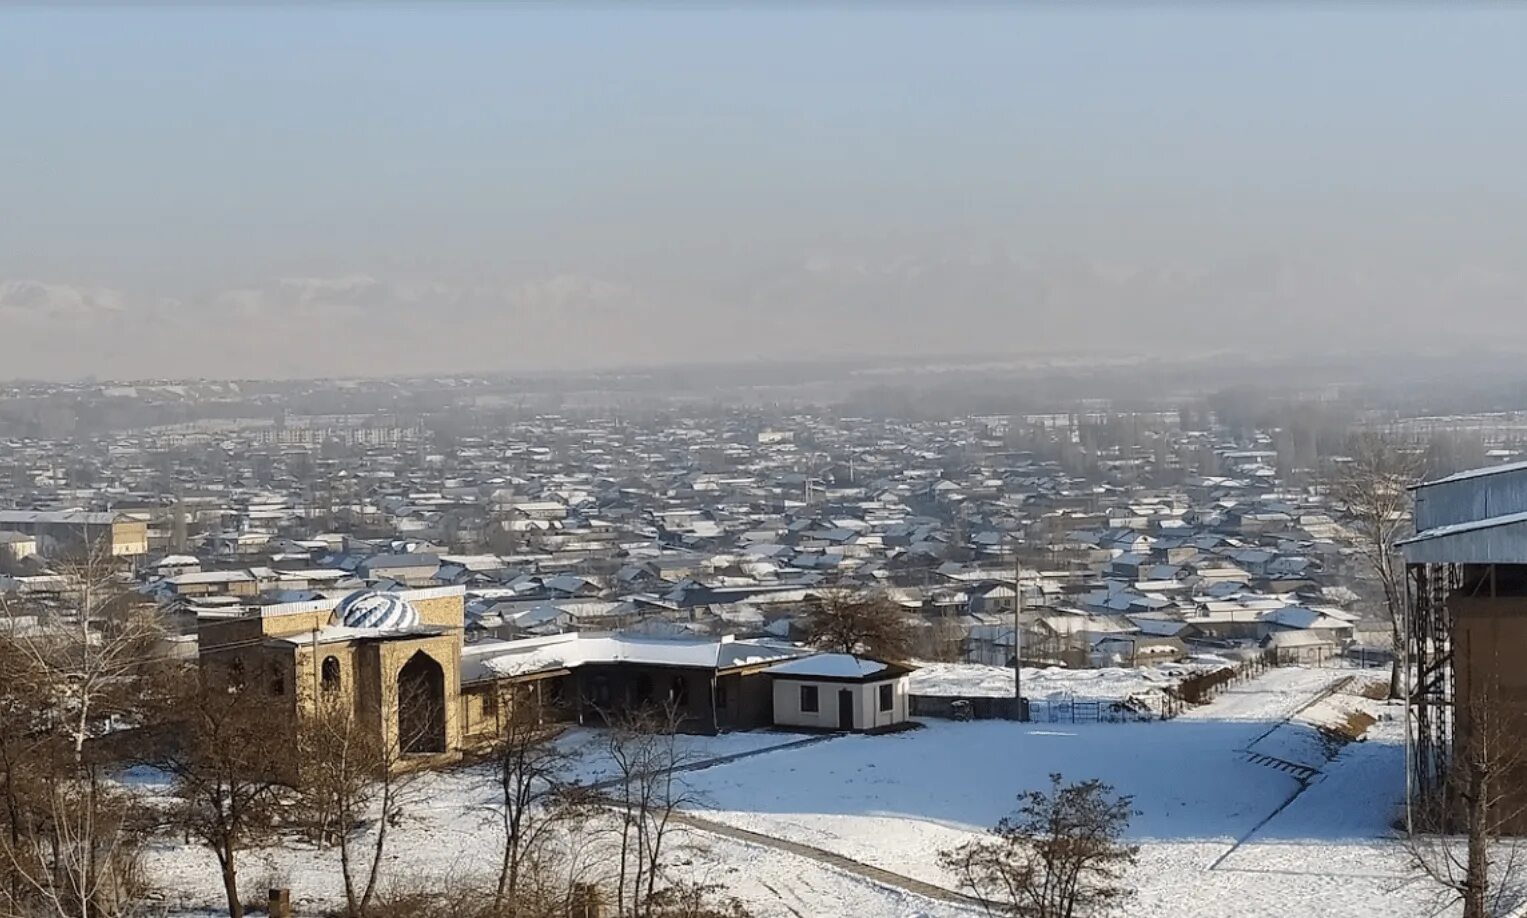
808,699
887,700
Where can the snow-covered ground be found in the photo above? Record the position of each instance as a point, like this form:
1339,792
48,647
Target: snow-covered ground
1052,686
973,680
1222,832
1214,841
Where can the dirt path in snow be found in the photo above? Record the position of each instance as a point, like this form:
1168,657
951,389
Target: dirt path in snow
821,856
1302,773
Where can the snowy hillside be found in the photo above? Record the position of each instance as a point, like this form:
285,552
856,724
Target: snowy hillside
1245,810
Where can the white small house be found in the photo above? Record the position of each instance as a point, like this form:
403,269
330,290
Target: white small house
838,691
1300,646
17,546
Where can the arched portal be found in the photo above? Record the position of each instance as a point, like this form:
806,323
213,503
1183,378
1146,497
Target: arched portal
330,674
421,706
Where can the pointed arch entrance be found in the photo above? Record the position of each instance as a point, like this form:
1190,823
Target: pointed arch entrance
421,706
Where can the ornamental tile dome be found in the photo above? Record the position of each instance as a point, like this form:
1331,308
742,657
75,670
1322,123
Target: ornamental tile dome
376,610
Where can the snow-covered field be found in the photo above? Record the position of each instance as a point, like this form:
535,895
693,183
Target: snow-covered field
1214,841
973,680
1223,832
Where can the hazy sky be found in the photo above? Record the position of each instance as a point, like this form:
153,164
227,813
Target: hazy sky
273,191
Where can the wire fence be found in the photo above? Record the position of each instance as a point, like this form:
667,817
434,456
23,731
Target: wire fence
1160,704
1204,687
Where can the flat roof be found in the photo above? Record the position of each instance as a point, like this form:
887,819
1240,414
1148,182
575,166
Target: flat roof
61,517
574,650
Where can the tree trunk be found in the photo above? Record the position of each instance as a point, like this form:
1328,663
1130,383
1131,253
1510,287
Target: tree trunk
231,883
625,848
381,842
510,860
352,907
1477,882
503,876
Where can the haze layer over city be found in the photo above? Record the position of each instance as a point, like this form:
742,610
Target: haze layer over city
533,187
502,460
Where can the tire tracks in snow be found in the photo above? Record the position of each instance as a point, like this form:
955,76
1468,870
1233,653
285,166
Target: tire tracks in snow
781,897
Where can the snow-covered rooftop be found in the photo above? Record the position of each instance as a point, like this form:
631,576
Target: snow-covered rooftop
568,651
830,666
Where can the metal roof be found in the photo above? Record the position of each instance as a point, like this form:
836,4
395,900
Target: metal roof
1473,474
1494,540
59,517
1470,497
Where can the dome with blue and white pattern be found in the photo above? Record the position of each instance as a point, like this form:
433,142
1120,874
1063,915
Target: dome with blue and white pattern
376,610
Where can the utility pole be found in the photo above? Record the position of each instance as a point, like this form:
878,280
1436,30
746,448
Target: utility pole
1404,651
1023,713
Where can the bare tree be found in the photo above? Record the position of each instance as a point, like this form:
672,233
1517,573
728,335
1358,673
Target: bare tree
224,765
1374,489
1484,797
530,768
859,623
941,640
336,760
1062,855
78,856
500,537
94,653
696,900
73,678
647,791
354,786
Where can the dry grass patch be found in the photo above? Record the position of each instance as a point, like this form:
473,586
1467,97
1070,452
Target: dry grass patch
1374,690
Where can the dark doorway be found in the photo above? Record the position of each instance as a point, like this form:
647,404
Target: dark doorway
330,674
421,706
845,709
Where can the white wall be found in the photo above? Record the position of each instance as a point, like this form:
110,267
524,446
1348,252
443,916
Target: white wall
867,713
870,716
787,704
22,548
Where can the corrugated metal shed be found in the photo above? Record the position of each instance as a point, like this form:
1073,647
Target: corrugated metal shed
1497,540
1472,496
